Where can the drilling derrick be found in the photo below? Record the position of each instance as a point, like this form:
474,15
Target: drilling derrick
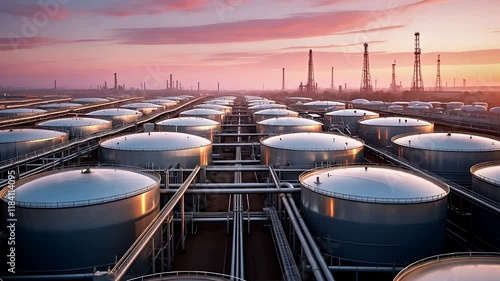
439,87
366,82
417,83
310,85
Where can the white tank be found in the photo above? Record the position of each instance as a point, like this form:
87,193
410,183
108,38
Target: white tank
20,112
89,100
324,105
212,114
454,105
60,106
474,108
202,127
226,109
258,107
16,142
77,127
495,110
349,118
118,116
360,101
162,102
485,104
395,107
144,107
273,113
282,125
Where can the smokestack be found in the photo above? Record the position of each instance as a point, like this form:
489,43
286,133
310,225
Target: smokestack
340,89
105,85
375,83
283,81
141,86
166,84
218,88
198,86
345,87
332,79
116,83
144,86
55,84
171,82
465,83
177,84
123,87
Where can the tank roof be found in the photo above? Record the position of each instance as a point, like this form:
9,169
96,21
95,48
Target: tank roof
360,101
323,102
141,105
114,112
202,111
22,110
312,141
275,111
76,187
74,122
60,105
155,141
381,184
289,121
447,142
160,101
90,100
394,122
456,267
488,171
212,106
266,106
188,121
18,135
352,112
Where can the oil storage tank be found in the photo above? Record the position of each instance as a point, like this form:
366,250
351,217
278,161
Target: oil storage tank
90,100
258,107
348,118
310,149
202,127
16,142
212,114
273,113
454,266
117,116
77,127
282,125
94,214
20,112
486,182
450,155
224,108
379,131
162,102
324,105
157,150
144,107
60,106
375,214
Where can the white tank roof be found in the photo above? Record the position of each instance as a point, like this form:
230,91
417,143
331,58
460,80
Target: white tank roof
299,99
276,111
448,142
60,105
474,108
202,111
74,122
495,109
18,135
114,112
352,112
266,106
360,101
312,141
213,106
188,122
161,101
22,110
382,184
323,103
289,121
456,267
90,100
71,187
395,122
141,105
156,141
488,172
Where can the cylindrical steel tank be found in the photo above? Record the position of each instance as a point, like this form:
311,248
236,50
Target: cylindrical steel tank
144,107
95,214
221,102
162,102
202,127
77,127
450,155
379,131
402,103
495,110
117,116
20,112
360,101
395,107
309,149
212,114
486,182
226,109
258,107
482,103
324,105
349,118
453,267
273,113
283,125
60,106
157,150
454,105
89,100
375,214
183,275
474,108
16,142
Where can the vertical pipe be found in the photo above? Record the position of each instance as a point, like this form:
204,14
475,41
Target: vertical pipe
171,82
183,240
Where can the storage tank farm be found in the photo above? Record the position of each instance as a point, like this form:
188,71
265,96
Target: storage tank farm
77,219
77,127
379,131
348,209
348,118
486,182
18,142
202,127
450,155
118,116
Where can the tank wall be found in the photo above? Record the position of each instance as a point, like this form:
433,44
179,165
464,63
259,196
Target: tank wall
92,235
377,233
202,131
260,117
380,136
452,165
482,219
119,119
271,129
14,149
282,157
79,131
187,158
351,121
216,117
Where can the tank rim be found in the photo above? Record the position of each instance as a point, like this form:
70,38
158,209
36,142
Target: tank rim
362,142
447,149
479,166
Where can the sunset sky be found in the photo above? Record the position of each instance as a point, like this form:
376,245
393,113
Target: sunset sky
244,43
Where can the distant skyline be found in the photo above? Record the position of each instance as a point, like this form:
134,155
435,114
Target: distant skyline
244,44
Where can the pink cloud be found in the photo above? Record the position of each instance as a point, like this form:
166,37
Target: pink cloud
150,7
8,44
56,12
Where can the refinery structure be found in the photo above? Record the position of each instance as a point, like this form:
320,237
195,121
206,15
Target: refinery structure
179,184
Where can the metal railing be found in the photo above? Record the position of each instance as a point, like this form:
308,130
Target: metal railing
476,167
447,149
174,274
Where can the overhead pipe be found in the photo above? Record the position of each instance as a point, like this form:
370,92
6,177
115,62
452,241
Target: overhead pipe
234,191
